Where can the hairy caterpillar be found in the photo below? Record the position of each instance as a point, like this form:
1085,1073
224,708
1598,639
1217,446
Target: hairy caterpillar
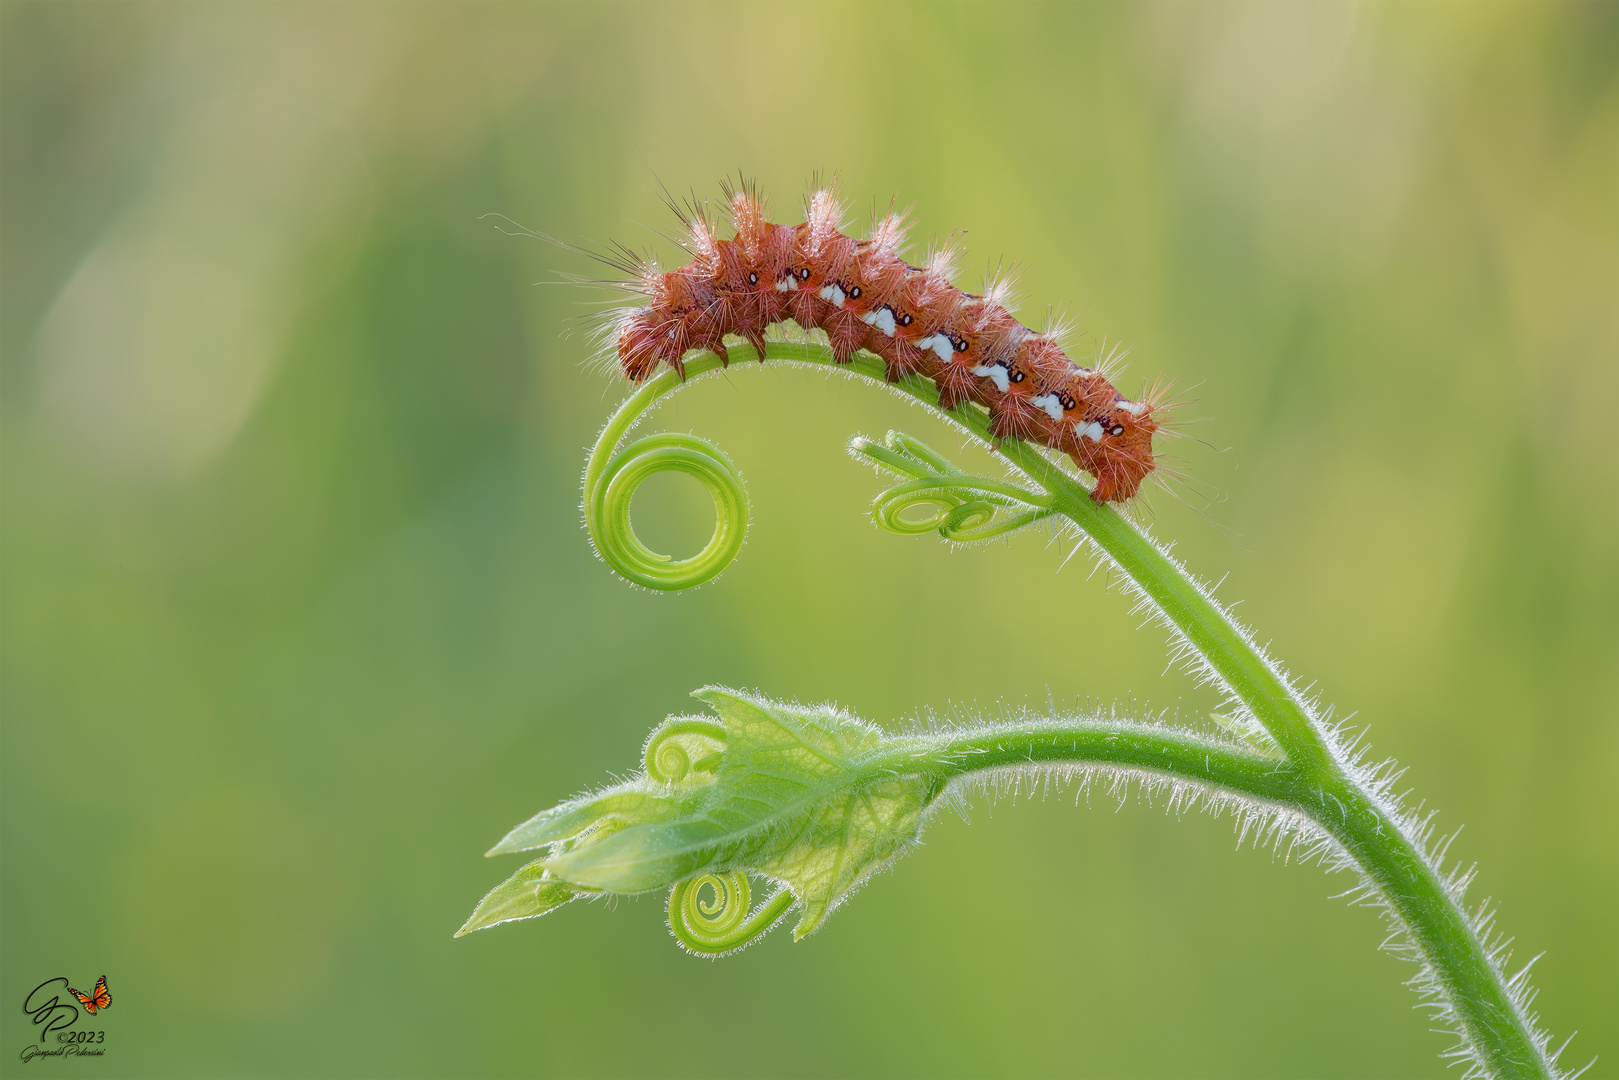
863,295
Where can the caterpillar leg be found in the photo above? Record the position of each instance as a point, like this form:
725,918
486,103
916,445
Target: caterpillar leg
1012,419
715,345
756,338
846,335
951,396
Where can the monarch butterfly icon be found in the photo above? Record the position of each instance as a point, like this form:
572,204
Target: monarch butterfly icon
95,999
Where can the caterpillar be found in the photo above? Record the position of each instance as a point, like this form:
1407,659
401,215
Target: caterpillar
863,295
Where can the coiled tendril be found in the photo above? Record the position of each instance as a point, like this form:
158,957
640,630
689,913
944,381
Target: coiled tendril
668,761
964,507
720,924
611,480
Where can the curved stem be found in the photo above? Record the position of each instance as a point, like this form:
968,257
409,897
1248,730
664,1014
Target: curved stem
1314,779
1464,973
1441,932
1124,746
1461,965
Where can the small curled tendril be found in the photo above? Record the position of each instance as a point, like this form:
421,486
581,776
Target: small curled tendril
721,923
962,507
610,483
667,761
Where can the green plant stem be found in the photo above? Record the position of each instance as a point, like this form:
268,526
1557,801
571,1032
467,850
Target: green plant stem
1326,792
1312,779
1405,881
1120,745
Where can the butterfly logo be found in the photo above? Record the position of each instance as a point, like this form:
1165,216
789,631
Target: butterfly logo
96,999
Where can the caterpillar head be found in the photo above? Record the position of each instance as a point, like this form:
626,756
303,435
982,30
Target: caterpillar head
637,342
1116,448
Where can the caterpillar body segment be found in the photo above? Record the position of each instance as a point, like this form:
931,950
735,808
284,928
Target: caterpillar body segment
863,295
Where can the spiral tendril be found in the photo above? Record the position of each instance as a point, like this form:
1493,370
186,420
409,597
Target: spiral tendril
667,761
962,508
722,923
610,483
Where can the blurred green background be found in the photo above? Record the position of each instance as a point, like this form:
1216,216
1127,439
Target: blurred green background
299,617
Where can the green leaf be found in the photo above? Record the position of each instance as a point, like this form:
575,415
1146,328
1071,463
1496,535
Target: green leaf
525,895
809,796
822,788
596,813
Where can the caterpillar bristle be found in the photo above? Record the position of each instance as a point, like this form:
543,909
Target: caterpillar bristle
943,258
1062,326
1109,360
824,212
889,232
863,295
1000,284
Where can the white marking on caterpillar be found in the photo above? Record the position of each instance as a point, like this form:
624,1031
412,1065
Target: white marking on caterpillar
998,373
787,284
882,319
833,294
1051,403
1134,408
942,347
1092,431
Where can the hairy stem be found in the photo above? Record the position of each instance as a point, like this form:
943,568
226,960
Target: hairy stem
1314,778
1124,746
1405,880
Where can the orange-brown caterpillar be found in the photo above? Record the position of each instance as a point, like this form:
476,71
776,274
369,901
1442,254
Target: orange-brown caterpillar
863,295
